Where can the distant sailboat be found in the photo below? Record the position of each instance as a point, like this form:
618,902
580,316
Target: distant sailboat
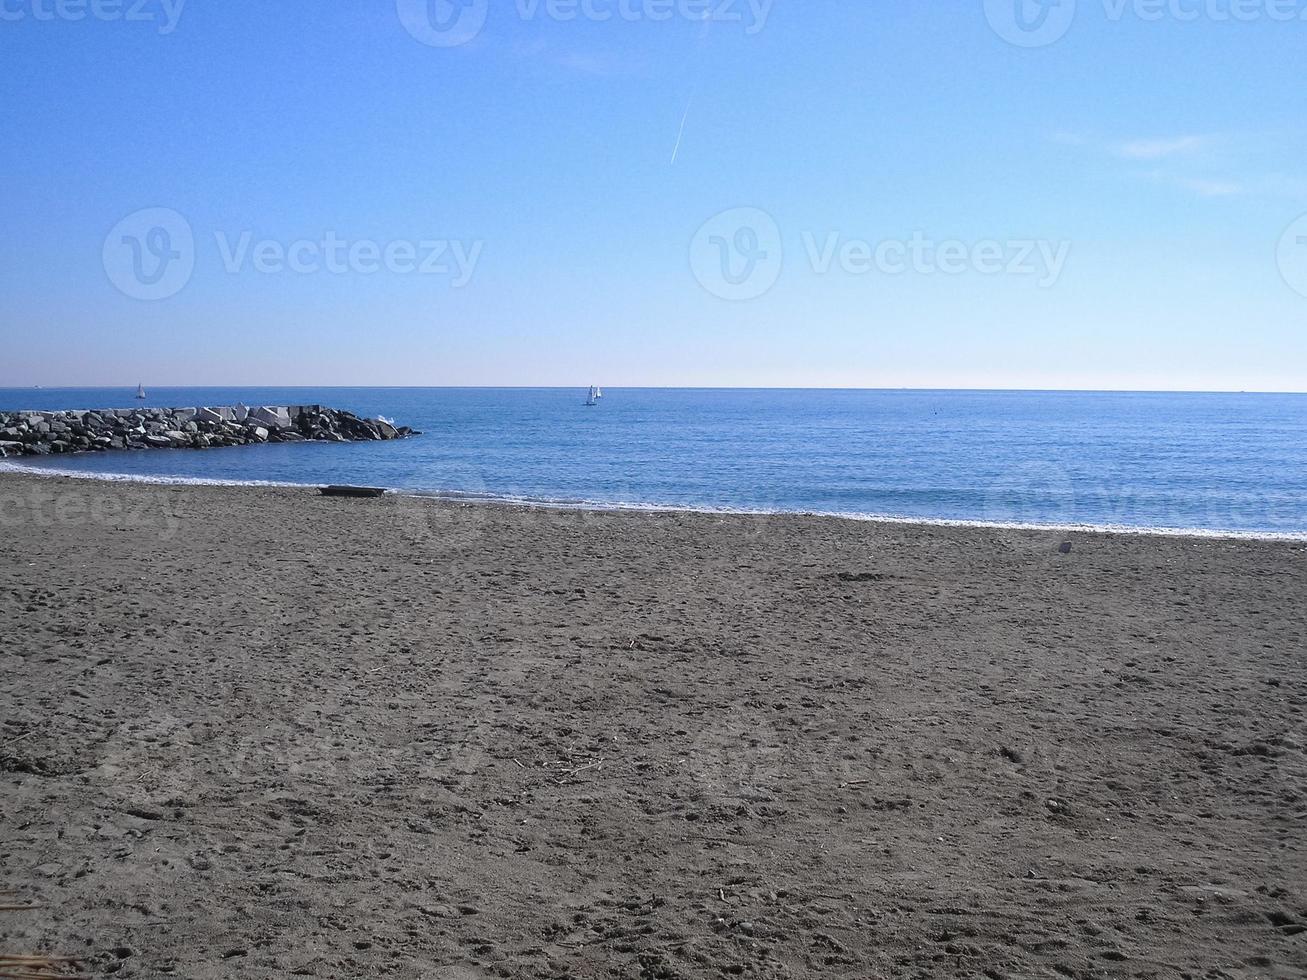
593,397
140,392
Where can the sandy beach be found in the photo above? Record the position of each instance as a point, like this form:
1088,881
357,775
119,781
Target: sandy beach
254,732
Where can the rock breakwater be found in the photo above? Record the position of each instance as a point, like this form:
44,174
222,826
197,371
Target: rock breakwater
44,433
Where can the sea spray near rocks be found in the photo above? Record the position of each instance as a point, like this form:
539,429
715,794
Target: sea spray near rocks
44,433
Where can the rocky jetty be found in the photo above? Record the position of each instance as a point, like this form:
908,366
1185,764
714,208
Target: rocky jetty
43,433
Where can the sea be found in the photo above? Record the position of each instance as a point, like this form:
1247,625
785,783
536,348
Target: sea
1207,463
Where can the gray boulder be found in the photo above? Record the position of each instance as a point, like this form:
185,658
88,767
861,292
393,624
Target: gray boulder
272,418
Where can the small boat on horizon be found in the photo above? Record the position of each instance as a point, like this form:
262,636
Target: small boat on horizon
593,397
140,392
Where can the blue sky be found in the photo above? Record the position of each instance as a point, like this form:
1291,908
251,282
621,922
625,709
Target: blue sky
1118,204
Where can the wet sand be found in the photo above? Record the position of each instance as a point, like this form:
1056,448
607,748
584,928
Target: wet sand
252,732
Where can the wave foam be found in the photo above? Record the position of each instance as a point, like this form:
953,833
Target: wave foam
7,466
554,503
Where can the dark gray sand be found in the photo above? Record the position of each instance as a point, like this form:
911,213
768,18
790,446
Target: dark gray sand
260,733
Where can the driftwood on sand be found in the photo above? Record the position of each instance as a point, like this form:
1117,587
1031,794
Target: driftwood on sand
19,966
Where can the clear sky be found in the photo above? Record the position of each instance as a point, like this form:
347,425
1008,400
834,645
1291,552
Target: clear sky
636,195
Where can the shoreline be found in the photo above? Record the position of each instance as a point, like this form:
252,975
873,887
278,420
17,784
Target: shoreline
489,500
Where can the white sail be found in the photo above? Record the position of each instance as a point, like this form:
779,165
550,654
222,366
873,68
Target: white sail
140,391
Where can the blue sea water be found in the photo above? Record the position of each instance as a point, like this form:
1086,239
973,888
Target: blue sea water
1229,462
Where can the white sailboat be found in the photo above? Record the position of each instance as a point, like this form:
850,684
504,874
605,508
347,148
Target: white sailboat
593,397
140,392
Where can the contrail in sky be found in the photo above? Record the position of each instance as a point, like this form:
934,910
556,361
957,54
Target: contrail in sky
698,77
681,133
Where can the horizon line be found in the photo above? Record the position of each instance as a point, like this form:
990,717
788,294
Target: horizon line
558,387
